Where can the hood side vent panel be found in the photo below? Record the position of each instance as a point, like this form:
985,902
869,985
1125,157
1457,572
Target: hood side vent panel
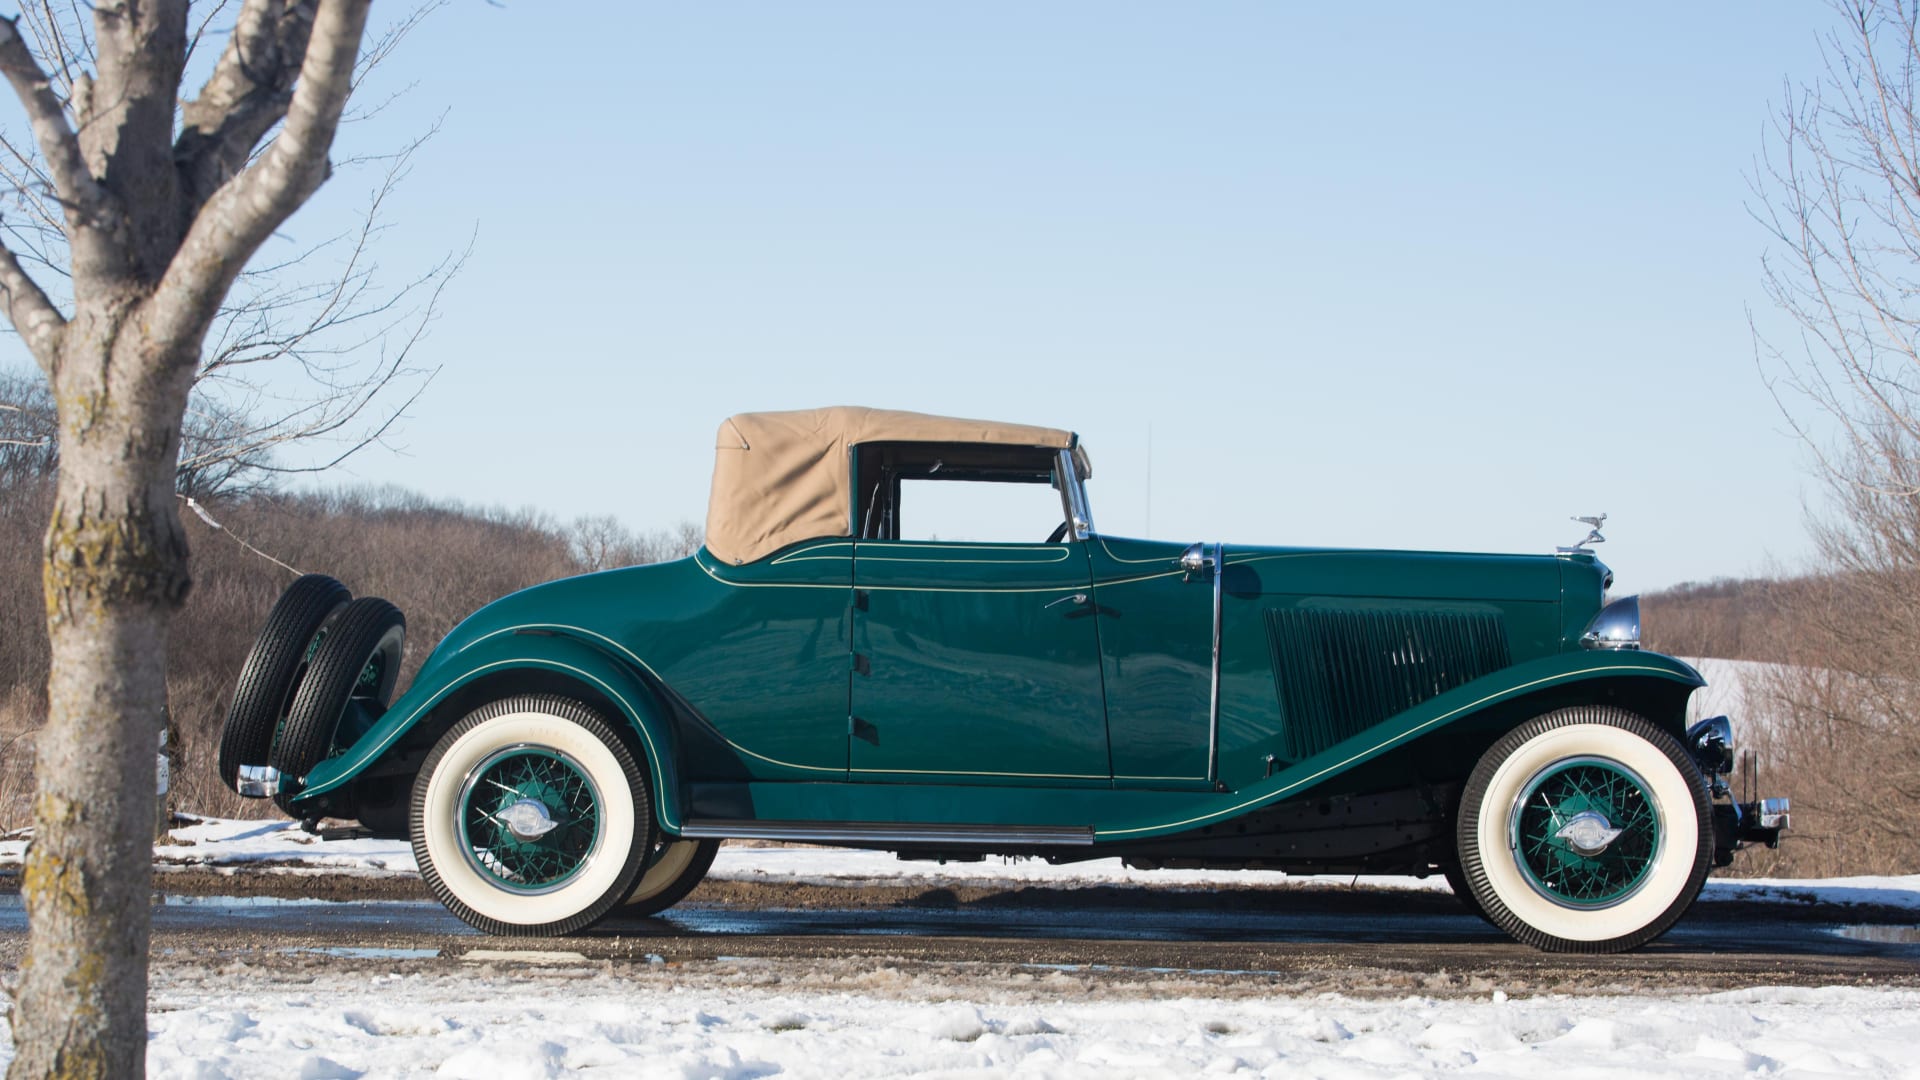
1339,672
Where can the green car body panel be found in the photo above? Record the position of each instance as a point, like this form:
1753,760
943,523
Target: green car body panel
1063,685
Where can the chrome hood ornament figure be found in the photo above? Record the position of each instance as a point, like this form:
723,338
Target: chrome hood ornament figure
1593,534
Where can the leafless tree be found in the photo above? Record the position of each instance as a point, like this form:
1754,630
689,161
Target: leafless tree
217,456
1838,187
163,199
28,450
311,346
601,542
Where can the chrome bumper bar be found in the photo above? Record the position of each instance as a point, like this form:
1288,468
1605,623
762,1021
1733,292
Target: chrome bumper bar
257,781
1735,824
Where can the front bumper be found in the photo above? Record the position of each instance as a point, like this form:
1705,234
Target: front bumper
1735,824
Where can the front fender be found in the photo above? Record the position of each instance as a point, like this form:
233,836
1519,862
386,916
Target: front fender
552,650
1543,678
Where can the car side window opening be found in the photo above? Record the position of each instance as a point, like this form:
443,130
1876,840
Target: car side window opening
958,492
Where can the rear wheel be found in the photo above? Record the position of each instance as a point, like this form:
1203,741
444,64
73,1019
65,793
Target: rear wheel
1585,830
531,816
273,671
677,868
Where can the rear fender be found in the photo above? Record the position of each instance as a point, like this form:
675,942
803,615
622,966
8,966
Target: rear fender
556,655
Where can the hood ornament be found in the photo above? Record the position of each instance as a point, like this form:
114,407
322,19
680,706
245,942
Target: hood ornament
1593,535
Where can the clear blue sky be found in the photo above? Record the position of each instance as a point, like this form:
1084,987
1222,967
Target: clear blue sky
1430,276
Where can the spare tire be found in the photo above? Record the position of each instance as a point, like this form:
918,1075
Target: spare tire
273,671
354,668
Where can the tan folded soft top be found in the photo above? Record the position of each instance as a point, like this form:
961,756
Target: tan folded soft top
782,477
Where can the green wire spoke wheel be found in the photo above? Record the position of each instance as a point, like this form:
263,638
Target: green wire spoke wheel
531,818
1586,832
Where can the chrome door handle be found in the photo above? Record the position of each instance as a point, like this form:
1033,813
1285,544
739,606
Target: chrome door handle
1078,598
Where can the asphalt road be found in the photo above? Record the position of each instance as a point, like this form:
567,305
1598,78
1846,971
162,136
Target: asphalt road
1367,945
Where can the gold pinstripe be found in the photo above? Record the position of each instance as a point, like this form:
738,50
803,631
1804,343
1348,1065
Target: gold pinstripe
653,752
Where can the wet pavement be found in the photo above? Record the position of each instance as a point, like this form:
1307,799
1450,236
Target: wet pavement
1320,946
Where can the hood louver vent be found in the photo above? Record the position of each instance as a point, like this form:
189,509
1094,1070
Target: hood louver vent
1341,672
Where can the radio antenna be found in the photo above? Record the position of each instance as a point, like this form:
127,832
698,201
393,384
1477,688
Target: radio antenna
1149,530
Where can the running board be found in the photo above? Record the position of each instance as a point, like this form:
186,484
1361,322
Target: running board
882,833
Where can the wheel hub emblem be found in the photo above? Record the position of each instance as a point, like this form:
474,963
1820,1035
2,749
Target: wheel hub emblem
1588,833
528,819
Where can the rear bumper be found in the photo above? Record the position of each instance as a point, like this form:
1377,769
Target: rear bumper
1735,824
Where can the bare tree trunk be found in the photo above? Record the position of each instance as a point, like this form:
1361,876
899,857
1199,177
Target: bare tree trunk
159,225
116,569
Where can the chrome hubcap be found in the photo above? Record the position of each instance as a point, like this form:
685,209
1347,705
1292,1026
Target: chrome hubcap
1589,833
527,819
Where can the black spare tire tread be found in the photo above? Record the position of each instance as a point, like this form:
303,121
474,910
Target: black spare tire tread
261,695
366,627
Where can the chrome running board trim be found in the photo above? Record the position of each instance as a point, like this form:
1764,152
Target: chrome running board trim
861,832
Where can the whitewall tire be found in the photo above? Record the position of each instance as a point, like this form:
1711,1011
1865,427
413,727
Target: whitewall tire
1585,830
531,816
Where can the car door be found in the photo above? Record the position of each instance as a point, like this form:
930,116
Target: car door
1158,653
975,662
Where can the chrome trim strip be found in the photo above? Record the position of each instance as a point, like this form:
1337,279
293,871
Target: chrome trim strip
817,832
1079,515
1213,706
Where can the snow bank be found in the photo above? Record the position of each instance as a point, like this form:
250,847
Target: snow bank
496,1028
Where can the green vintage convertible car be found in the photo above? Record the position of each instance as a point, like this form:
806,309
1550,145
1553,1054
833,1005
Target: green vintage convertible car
828,669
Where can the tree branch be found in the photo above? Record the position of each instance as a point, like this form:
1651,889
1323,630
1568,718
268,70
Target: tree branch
38,322
73,184
245,210
248,92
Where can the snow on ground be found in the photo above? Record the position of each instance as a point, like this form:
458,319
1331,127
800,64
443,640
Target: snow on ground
509,1014
281,847
494,1026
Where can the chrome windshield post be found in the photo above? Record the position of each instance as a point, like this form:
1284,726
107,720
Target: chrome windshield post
1074,485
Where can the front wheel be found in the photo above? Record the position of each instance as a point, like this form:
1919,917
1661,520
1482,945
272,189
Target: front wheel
531,816
1585,830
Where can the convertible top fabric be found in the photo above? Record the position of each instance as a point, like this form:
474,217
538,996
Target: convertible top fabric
782,477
